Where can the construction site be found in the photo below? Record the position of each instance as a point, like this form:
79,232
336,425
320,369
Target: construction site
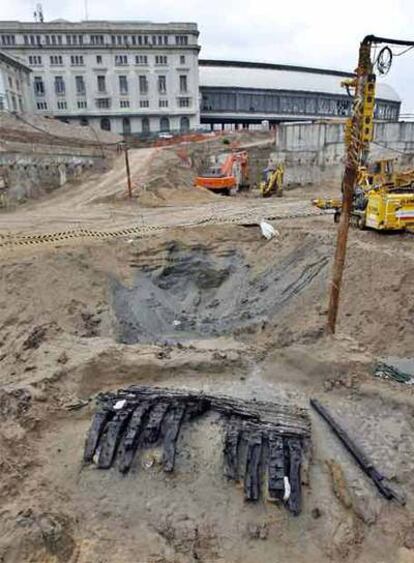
192,369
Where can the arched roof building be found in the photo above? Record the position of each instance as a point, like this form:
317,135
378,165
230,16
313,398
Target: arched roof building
247,92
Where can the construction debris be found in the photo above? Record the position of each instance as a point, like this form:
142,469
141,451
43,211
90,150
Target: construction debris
359,455
263,441
267,230
388,371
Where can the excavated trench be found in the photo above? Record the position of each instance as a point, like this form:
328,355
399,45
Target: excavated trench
184,291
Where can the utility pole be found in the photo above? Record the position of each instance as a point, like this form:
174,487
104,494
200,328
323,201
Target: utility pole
128,170
353,155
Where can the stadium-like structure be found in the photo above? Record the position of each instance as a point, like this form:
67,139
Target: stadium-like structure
247,92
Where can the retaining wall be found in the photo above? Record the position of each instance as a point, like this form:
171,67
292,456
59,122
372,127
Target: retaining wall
314,152
31,175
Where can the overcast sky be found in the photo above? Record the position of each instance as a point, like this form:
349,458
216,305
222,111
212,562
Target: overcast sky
318,33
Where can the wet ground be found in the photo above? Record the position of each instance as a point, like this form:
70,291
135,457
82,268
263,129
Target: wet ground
219,309
182,291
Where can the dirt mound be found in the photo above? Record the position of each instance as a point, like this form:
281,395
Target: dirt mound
29,128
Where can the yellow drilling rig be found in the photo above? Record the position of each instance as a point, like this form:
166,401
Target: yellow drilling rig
382,198
388,206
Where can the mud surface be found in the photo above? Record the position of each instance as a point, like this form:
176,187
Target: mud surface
215,309
182,292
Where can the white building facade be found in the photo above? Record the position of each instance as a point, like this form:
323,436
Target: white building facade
15,94
127,77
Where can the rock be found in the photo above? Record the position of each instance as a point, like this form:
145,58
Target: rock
258,531
63,358
316,513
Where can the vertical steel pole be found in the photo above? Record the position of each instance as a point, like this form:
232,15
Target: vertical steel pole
128,171
353,155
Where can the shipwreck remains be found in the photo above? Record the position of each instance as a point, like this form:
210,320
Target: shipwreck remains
265,443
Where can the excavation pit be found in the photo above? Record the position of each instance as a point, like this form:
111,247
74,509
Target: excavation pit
184,291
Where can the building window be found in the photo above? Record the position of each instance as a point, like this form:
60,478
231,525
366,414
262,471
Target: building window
103,103
124,103
35,60
105,124
123,84
162,84
59,86
101,84
17,84
10,39
82,104
62,105
184,102
97,39
146,125
163,103
26,39
144,103
76,60
182,59
141,59
80,85
126,126
56,60
98,59
161,59
121,60
21,104
41,105
119,39
10,82
143,84
164,124
14,103
181,40
165,39
39,86
59,39
146,40
183,84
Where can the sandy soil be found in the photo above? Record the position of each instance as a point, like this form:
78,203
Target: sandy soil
82,318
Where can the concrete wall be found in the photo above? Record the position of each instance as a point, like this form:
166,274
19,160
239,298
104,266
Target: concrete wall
314,152
29,176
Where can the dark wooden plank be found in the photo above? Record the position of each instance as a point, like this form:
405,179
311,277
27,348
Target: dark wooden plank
170,431
130,440
231,449
151,432
294,502
276,468
111,438
99,421
252,476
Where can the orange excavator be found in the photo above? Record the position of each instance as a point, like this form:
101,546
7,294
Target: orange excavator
226,174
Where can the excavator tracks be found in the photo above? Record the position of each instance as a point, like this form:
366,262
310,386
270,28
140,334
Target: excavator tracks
12,240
